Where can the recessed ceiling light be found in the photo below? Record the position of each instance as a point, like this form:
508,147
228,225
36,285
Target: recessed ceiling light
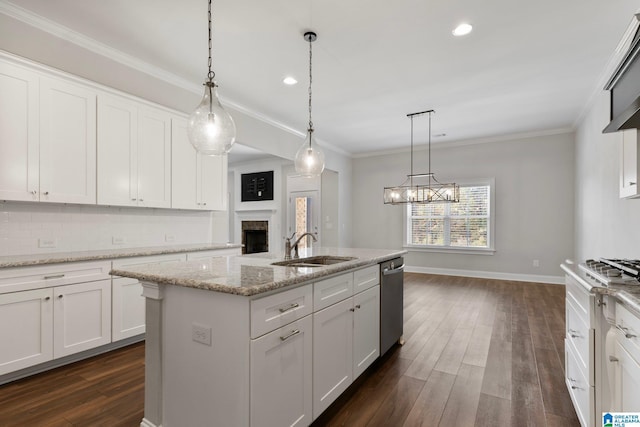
462,30
289,81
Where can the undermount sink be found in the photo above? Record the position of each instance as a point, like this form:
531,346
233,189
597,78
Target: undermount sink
314,261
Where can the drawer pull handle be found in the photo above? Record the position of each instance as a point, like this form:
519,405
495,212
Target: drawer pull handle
47,298
625,331
60,296
352,309
290,334
572,381
54,276
357,305
573,333
613,359
291,307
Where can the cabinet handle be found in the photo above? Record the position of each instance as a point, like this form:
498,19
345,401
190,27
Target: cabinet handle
47,298
625,331
601,303
290,334
573,333
133,200
291,307
54,276
34,192
572,381
204,204
352,309
358,306
141,200
60,296
46,193
613,359
632,183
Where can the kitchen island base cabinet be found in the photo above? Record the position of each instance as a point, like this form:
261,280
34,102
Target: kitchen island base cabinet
281,369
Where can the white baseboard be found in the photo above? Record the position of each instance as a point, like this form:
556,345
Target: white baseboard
557,280
146,423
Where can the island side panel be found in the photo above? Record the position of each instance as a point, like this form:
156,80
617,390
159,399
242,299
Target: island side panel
205,384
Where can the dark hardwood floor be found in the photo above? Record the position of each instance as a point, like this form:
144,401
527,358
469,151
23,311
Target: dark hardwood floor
477,352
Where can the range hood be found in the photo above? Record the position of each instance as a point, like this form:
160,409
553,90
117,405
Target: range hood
624,86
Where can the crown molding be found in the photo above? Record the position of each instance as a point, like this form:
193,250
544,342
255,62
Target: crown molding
466,142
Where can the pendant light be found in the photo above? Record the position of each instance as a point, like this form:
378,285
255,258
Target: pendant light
211,129
422,187
309,160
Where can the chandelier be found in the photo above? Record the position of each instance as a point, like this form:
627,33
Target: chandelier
422,187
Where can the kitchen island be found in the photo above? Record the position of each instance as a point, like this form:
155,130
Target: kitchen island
238,341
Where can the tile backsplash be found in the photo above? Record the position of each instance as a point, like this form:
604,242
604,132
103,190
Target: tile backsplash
31,228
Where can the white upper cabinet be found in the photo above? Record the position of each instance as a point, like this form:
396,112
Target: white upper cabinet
134,154
198,181
47,138
629,162
19,169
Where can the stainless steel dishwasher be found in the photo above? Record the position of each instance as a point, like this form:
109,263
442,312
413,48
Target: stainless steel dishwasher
391,303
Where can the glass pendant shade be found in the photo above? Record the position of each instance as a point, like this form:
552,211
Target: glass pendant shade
211,129
309,159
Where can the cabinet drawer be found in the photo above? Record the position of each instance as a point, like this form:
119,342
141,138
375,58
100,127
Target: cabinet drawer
130,262
27,278
629,327
582,394
272,312
580,298
366,278
582,338
330,291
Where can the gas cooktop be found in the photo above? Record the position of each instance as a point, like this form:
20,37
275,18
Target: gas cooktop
613,271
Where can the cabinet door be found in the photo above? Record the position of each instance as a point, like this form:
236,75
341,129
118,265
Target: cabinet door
128,309
185,168
154,158
81,317
281,369
627,380
366,329
213,182
629,162
26,331
19,168
117,155
67,143
332,353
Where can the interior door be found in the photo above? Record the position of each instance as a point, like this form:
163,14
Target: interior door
304,214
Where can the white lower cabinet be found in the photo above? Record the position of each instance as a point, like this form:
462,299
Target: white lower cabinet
332,353
346,340
366,329
281,374
81,317
626,393
26,329
128,311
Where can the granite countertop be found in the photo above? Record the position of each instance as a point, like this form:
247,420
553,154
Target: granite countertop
249,275
59,257
629,294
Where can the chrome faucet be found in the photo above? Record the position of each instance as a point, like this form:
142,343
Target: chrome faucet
288,246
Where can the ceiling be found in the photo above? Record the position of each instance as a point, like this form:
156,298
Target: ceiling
528,66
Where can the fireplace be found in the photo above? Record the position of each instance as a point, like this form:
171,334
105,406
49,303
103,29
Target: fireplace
255,237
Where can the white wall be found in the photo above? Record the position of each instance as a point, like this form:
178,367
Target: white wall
606,226
83,228
533,213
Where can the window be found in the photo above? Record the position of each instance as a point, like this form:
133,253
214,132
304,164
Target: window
463,226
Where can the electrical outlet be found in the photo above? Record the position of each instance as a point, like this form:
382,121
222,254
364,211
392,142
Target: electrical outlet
47,243
169,238
118,240
536,263
201,333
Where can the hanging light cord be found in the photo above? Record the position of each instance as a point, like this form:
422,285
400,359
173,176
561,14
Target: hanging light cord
411,151
210,74
310,81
